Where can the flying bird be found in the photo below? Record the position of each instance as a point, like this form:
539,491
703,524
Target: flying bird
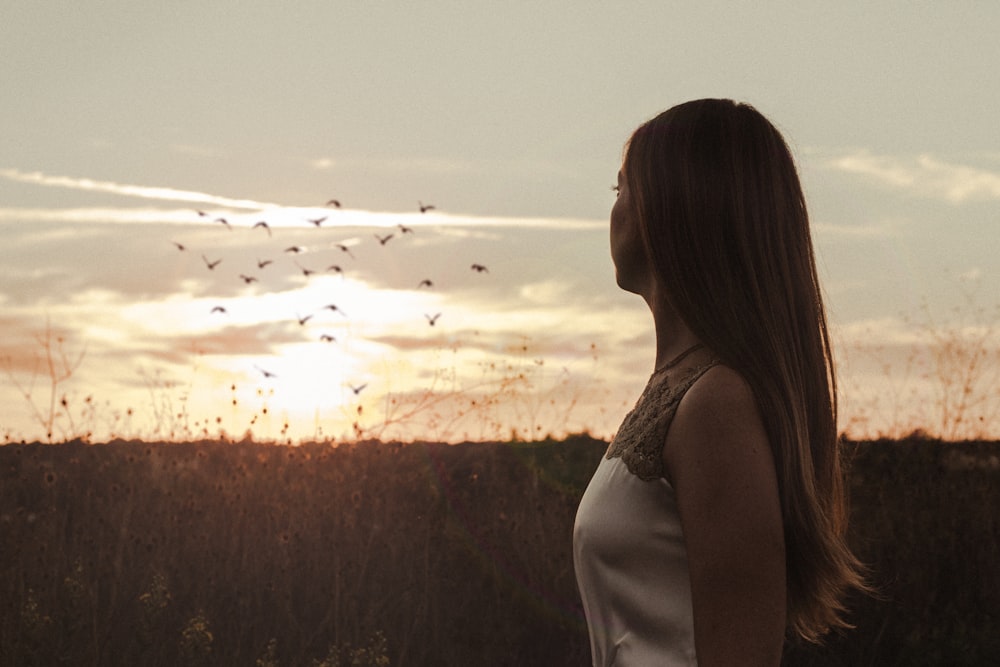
306,272
431,320
261,263
201,213
344,248
317,221
334,268
303,320
180,246
331,306
211,265
294,248
334,203
479,268
425,283
357,389
225,222
425,207
404,229
267,374
383,239
327,338
218,309
264,225
247,279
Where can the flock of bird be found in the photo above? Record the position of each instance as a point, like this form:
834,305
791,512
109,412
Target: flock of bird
248,277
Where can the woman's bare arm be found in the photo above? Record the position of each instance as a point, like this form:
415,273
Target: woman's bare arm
720,464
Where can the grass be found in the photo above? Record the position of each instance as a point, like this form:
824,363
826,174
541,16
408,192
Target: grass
209,548
412,554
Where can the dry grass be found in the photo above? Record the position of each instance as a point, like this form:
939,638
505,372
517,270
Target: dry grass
416,554
938,379
132,553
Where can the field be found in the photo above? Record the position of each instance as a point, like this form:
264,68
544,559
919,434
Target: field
372,553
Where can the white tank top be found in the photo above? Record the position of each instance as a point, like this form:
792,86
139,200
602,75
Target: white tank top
628,547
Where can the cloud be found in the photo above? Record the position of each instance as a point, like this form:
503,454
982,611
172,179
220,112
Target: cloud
322,163
295,217
236,340
23,347
141,191
923,175
277,215
971,275
97,215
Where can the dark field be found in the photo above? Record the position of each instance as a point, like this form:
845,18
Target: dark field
216,553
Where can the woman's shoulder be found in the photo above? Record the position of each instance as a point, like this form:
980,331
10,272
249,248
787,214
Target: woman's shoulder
717,419
718,392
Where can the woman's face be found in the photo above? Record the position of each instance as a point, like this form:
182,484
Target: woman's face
628,251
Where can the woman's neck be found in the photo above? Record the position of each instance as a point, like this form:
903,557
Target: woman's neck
673,336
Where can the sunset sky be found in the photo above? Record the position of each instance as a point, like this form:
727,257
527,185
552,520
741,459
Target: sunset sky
122,120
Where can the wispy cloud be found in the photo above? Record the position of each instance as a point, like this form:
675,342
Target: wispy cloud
127,190
322,163
96,215
923,175
294,217
278,215
971,275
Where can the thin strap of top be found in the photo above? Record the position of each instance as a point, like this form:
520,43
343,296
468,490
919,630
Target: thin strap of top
679,358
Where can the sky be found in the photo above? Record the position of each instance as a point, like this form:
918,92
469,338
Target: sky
122,121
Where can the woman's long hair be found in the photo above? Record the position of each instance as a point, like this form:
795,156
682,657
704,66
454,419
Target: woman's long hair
724,218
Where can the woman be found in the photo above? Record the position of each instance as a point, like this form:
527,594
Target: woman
715,524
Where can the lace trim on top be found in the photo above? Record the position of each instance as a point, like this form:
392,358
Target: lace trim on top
641,436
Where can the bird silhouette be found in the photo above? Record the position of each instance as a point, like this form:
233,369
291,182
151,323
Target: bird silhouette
331,306
266,374
211,265
264,225
180,246
327,338
334,203
334,268
357,389
294,248
225,222
218,309
479,268
306,272
344,248
383,239
425,283
247,279
201,213
317,221
425,207
403,229
261,263
303,319
432,319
